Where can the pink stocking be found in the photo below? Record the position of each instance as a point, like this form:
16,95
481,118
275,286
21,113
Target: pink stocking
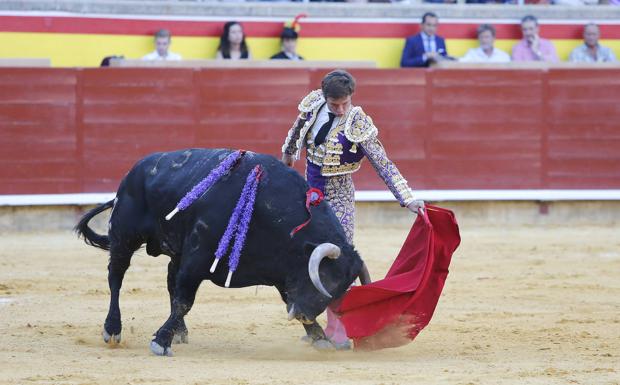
335,330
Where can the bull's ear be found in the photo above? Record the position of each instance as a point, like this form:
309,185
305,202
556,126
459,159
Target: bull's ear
309,248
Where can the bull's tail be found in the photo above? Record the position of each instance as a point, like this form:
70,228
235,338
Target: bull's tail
91,237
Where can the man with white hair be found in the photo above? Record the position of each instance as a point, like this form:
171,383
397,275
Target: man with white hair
591,51
486,53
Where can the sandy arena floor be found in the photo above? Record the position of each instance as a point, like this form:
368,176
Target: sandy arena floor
525,305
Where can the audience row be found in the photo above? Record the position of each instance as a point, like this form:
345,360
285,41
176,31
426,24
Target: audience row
427,48
532,2
232,44
421,50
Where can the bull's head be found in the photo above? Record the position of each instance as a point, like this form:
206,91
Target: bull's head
325,282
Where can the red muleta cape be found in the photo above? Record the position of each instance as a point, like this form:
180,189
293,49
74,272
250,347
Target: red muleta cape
391,312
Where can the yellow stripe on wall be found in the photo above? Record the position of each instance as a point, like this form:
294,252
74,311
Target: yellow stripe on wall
82,50
87,50
386,52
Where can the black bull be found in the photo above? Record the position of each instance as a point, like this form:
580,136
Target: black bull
270,256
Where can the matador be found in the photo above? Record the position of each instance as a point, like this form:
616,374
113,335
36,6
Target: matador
337,136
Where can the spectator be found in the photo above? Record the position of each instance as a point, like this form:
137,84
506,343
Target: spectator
486,53
575,2
106,60
288,41
425,48
162,45
490,1
532,47
232,43
591,51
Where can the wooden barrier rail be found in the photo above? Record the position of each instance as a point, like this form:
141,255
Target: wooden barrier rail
80,130
519,65
253,63
25,62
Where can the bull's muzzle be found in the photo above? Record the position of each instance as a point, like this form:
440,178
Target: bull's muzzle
323,250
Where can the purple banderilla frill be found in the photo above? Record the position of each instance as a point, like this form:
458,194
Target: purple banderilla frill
238,224
207,182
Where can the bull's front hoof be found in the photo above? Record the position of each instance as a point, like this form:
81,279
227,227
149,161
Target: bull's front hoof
307,339
159,350
323,345
114,338
346,345
180,337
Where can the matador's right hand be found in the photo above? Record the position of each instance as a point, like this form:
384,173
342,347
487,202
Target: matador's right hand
288,159
416,207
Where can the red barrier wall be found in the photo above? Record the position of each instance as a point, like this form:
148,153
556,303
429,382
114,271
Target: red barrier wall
80,130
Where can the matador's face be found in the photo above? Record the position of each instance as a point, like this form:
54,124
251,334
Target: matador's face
340,106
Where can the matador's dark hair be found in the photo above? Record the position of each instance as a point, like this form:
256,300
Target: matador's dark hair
338,84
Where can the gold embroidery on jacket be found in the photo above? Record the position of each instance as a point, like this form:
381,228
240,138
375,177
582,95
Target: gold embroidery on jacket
340,169
312,101
358,126
308,106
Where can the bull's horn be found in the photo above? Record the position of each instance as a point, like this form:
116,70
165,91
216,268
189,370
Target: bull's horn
321,251
291,313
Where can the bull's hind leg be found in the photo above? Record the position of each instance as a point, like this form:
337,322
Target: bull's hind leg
120,257
187,283
180,333
125,239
